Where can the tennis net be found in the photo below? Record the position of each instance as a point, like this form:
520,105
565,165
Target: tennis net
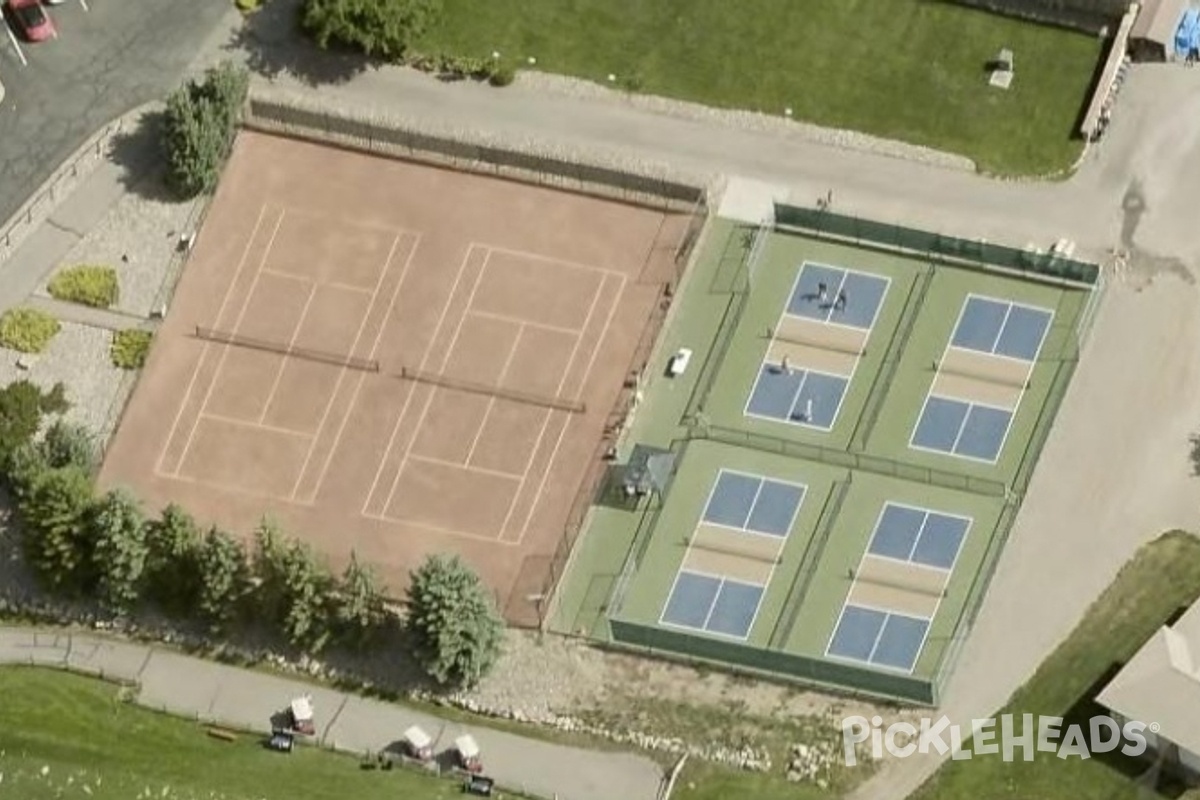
903,586
516,395
251,343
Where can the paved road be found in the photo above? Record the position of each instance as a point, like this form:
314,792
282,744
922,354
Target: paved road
244,699
104,63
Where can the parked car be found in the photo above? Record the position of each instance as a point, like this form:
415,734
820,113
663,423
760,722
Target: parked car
33,20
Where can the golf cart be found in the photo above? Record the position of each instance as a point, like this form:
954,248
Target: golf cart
301,713
466,752
418,744
281,741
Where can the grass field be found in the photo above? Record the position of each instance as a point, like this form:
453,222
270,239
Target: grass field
61,732
1163,577
904,69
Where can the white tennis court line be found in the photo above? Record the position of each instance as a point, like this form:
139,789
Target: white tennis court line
495,473
526,323
387,503
187,395
282,362
537,497
361,376
216,378
462,266
558,261
232,488
245,423
487,412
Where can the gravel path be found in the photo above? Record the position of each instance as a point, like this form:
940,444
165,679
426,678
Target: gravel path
139,237
78,357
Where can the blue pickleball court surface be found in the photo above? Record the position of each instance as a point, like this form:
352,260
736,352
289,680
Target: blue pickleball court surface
754,504
799,396
961,428
918,535
1001,327
713,604
863,295
879,638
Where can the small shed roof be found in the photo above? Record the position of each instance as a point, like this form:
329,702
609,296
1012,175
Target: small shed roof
649,468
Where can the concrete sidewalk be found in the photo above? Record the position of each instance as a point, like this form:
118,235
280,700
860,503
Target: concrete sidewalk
245,699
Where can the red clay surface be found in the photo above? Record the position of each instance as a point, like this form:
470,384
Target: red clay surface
497,282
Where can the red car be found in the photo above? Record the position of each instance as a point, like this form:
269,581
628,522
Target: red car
34,21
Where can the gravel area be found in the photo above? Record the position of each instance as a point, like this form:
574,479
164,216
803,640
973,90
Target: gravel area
78,357
776,122
139,238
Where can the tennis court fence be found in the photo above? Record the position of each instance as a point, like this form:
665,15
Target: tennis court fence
846,460
952,250
279,112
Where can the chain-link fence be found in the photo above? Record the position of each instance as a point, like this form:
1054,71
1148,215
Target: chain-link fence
951,250
391,138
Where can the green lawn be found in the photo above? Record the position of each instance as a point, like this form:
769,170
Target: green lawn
904,69
1162,578
78,731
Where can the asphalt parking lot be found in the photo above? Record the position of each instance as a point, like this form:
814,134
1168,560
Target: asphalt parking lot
110,56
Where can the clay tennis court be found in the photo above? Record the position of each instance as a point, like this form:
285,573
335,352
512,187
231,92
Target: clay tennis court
455,344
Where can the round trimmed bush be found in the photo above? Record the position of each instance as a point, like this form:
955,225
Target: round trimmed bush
130,348
502,76
27,330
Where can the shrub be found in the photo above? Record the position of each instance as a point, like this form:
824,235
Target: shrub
86,284
22,408
199,127
246,6
502,75
27,330
130,348
224,573
54,509
293,589
172,568
68,444
118,530
382,28
453,623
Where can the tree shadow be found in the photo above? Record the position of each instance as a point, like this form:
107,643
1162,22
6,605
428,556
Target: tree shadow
1194,453
274,45
138,152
